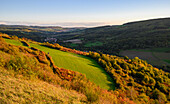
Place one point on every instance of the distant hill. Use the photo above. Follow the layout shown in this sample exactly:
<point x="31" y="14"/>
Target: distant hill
<point x="37" y="33"/>
<point x="133" y="35"/>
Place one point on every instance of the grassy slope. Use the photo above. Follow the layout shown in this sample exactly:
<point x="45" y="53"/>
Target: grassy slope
<point x="17" y="90"/>
<point x="78" y="63"/>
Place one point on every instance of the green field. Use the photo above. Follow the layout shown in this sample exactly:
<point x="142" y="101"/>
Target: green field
<point x="90" y="44"/>
<point x="82" y="64"/>
<point x="15" y="42"/>
<point x="73" y="45"/>
<point x="168" y="61"/>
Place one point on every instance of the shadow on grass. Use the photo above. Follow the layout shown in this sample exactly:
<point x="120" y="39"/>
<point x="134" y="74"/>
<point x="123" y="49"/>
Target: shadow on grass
<point x="111" y="81"/>
<point x="94" y="63"/>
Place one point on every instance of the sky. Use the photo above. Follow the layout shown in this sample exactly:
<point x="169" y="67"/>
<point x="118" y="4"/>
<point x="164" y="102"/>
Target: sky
<point x="80" y="13"/>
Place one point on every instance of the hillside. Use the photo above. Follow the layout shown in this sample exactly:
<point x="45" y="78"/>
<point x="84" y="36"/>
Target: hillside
<point x="17" y="90"/>
<point x="149" y="34"/>
<point x="134" y="35"/>
<point x="29" y="75"/>
<point x="75" y="62"/>
<point x="135" y="79"/>
<point x="24" y="79"/>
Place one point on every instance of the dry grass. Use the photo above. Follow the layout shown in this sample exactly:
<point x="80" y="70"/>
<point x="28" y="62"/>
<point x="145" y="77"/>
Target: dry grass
<point x="17" y="90"/>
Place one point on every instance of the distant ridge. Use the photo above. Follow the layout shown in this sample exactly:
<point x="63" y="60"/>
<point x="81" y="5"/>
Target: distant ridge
<point x="149" y="20"/>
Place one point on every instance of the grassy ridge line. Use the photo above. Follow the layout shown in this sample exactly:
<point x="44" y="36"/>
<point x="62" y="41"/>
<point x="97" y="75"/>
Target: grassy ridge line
<point x="76" y="62"/>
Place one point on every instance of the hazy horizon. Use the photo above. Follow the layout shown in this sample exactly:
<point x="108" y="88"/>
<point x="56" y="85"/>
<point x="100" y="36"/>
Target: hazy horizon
<point x="70" y="26"/>
<point x="79" y="13"/>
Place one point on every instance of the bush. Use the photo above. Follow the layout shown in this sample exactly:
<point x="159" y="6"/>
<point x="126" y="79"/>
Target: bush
<point x="2" y="62"/>
<point x="17" y="63"/>
<point x="159" y="95"/>
<point x="25" y="43"/>
<point x="144" y="97"/>
<point x="91" y="95"/>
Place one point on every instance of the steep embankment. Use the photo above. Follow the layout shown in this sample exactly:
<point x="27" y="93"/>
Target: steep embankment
<point x="82" y="64"/>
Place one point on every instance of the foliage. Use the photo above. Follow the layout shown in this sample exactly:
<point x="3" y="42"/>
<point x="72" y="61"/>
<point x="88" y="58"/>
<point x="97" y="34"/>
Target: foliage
<point x="135" y="73"/>
<point x="25" y="43"/>
<point x="57" y="46"/>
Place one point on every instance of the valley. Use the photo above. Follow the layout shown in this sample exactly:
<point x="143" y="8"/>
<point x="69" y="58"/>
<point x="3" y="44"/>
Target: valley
<point x="85" y="52"/>
<point x="136" y="35"/>
<point x="111" y="66"/>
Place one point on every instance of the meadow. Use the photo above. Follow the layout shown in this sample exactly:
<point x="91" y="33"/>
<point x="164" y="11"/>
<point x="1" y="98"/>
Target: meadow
<point x="82" y="64"/>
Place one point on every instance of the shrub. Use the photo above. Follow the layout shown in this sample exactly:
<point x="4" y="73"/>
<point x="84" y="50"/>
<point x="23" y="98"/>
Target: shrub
<point x="25" y="43"/>
<point x="33" y="48"/>
<point x="139" y="75"/>
<point x="2" y="62"/>
<point x="91" y="95"/>
<point x="159" y="95"/>
<point x="144" y="97"/>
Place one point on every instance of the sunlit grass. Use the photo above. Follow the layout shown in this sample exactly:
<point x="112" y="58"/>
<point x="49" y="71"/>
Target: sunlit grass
<point x="75" y="62"/>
